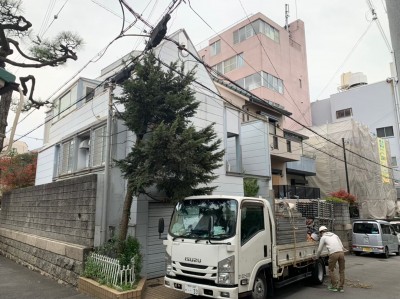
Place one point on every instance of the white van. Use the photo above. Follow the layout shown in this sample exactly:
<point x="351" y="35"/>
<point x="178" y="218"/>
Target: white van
<point x="396" y="225"/>
<point x="374" y="236"/>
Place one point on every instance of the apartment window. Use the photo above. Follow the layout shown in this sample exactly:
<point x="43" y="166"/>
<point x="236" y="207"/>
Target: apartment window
<point x="230" y="64"/>
<point x="98" y="146"/>
<point x="344" y="113"/>
<point x="385" y="132"/>
<point x="66" y="157"/>
<point x="256" y="27"/>
<point x="289" y="146"/>
<point x="394" y="161"/>
<point x="275" y="142"/>
<point x="261" y="79"/>
<point x="215" y="48"/>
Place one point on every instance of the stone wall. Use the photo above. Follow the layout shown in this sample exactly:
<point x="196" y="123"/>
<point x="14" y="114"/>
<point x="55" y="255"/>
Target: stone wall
<point x="50" y="227"/>
<point x="59" y="260"/>
<point x="63" y="211"/>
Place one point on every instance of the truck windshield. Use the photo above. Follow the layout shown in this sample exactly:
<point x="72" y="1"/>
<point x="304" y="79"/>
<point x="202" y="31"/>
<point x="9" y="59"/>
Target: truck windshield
<point x="191" y="219"/>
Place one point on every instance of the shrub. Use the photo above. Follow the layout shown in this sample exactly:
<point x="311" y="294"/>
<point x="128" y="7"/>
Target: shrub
<point x="344" y="195"/>
<point x="125" y="252"/>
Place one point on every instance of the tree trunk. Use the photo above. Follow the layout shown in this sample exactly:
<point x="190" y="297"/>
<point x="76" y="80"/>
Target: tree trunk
<point x="5" y="103"/>
<point x="126" y="211"/>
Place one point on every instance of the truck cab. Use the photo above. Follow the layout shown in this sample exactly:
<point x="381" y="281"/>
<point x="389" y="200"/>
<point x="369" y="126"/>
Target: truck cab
<point x="225" y="247"/>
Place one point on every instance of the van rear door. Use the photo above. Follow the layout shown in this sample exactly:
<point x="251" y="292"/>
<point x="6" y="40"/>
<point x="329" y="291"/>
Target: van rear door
<point x="366" y="234"/>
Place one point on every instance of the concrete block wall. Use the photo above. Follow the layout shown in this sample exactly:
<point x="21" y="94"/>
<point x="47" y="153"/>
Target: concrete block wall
<point x="63" y="210"/>
<point x="342" y="223"/>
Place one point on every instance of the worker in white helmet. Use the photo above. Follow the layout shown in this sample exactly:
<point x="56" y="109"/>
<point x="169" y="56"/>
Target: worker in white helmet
<point x="336" y="255"/>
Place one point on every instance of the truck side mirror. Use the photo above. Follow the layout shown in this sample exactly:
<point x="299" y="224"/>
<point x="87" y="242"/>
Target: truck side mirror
<point x="160" y="226"/>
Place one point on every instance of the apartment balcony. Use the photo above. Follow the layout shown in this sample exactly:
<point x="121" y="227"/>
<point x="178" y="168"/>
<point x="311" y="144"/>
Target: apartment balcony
<point x="291" y="191"/>
<point x="305" y="166"/>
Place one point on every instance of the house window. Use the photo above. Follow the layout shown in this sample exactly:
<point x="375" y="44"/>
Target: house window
<point x="89" y="94"/>
<point x="394" y="161"/>
<point x="230" y="64"/>
<point x="66" y="103"/>
<point x="256" y="27"/>
<point x="385" y="132"/>
<point x="289" y="146"/>
<point x="66" y="157"/>
<point x="215" y="48"/>
<point x="344" y="113"/>
<point x="98" y="146"/>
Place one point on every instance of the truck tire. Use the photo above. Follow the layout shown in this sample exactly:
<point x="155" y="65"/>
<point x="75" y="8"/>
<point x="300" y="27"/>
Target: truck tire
<point x="318" y="272"/>
<point x="259" y="288"/>
<point x="398" y="251"/>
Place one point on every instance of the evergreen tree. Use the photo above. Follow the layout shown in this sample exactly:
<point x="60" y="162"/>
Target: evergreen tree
<point x="169" y="153"/>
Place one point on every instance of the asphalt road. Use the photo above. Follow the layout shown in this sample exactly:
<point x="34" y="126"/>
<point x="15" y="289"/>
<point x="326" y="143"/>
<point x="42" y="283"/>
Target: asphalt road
<point x="367" y="277"/>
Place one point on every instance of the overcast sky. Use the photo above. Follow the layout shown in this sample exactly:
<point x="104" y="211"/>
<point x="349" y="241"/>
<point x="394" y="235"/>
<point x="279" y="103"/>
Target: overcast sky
<point x="339" y="38"/>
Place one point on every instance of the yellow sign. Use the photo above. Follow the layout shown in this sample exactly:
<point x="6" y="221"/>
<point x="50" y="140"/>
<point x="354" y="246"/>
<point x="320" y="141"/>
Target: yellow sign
<point x="383" y="161"/>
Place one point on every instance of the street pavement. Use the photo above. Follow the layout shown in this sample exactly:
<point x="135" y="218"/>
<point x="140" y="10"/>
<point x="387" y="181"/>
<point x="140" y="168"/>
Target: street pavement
<point x="18" y="282"/>
<point x="367" y="277"/>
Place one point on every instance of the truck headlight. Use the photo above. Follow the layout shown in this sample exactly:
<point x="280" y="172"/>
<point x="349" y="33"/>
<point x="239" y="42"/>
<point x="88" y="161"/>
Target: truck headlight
<point x="226" y="269"/>
<point x="168" y="265"/>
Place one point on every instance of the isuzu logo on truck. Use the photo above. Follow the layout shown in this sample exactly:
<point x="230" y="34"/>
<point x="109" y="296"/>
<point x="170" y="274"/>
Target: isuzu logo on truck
<point x="192" y="259"/>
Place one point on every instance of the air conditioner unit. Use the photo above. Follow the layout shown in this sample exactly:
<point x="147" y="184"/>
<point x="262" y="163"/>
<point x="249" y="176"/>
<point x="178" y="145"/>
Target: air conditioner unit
<point x="84" y="143"/>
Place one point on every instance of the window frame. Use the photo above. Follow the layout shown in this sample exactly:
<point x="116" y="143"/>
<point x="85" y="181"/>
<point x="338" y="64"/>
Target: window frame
<point x="342" y="113"/>
<point x="215" y="48"/>
<point x="244" y="238"/>
<point x="385" y="132"/>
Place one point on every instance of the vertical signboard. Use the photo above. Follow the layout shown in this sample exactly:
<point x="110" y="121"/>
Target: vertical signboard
<point x="383" y="161"/>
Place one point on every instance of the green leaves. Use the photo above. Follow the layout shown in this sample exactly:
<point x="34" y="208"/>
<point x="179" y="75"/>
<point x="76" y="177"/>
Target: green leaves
<point x="169" y="153"/>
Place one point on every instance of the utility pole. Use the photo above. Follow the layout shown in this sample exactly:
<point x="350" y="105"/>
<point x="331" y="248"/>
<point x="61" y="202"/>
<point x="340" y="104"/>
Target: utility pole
<point x="345" y="166"/>
<point x="16" y="118"/>
<point x="107" y="167"/>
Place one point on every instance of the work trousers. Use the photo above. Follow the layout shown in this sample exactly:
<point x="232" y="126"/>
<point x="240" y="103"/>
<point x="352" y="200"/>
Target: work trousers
<point x="337" y="257"/>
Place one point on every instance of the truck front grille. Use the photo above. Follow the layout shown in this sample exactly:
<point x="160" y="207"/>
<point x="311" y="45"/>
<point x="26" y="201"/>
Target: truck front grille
<point x="195" y="271"/>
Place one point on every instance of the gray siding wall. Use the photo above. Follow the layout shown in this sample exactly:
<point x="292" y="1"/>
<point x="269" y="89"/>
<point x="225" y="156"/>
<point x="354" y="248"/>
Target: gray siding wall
<point x="255" y="148"/>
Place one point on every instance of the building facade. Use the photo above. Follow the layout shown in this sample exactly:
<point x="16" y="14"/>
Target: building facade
<point x="76" y="138"/>
<point x="268" y="60"/>
<point x="373" y="105"/>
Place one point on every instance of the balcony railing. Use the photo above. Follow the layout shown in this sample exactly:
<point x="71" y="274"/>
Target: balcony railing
<point x="291" y="191"/>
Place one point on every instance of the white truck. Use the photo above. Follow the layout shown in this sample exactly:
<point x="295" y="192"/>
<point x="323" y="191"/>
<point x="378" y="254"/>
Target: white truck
<point x="233" y="247"/>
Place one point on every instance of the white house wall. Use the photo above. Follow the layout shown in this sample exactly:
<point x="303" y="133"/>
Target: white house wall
<point x="80" y="118"/>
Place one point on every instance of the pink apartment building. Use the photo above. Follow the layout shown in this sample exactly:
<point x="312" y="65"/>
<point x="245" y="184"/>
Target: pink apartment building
<point x="267" y="60"/>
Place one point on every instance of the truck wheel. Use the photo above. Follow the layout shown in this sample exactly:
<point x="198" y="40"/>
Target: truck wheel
<point x="398" y="251"/>
<point x="318" y="272"/>
<point x="259" y="288"/>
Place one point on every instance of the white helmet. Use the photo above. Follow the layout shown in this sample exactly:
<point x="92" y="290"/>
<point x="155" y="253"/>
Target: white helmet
<point x="323" y="228"/>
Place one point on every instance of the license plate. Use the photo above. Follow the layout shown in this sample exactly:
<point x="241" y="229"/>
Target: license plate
<point x="367" y="249"/>
<point x="191" y="289"/>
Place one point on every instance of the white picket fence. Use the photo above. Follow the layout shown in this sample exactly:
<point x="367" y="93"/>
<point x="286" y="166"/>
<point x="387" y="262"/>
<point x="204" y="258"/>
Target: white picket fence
<point x="113" y="272"/>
